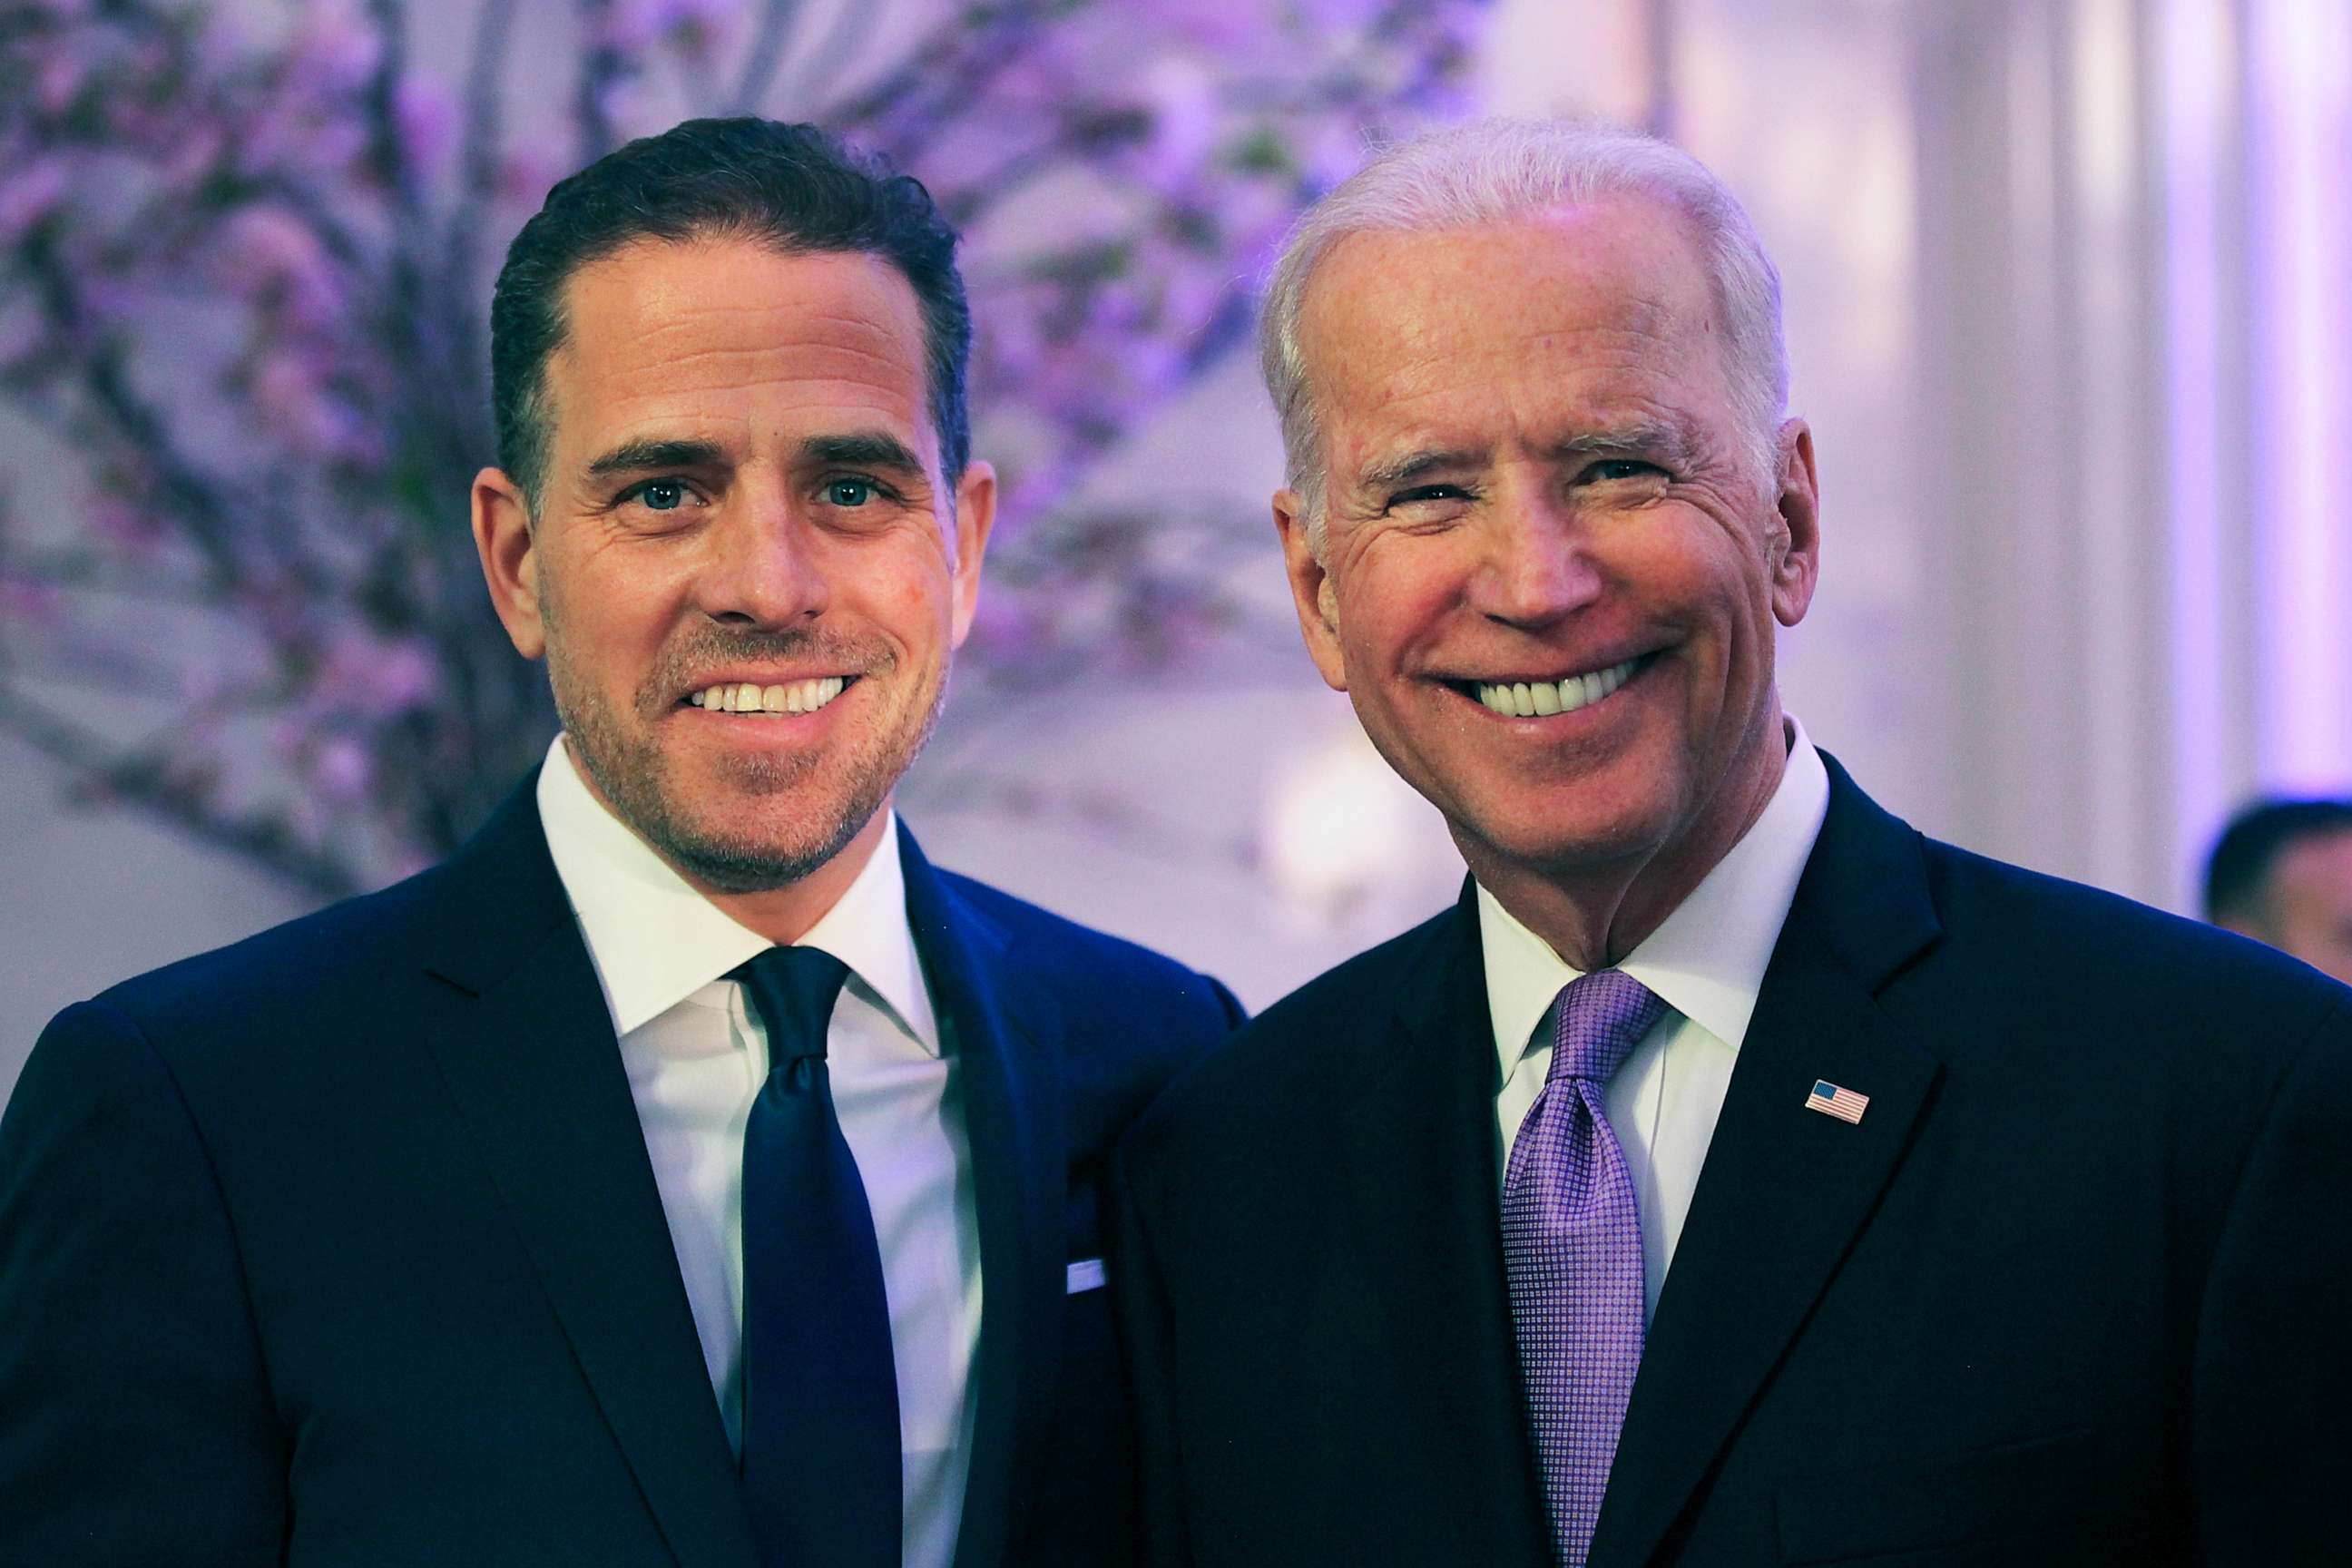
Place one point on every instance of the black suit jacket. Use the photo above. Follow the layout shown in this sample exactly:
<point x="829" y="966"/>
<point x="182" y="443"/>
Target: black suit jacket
<point x="2077" y="1288"/>
<point x="342" y="1246"/>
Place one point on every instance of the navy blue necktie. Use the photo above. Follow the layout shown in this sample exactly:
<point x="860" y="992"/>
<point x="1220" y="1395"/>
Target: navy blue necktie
<point x="820" y="1429"/>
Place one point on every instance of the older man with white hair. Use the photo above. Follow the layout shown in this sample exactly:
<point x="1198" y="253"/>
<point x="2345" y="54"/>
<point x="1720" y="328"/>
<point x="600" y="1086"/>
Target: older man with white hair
<point x="1734" y="1176"/>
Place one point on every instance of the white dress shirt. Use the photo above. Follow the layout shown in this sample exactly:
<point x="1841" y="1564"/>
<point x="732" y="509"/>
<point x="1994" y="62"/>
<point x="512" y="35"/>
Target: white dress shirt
<point x="1706" y="961"/>
<point x="696" y="1054"/>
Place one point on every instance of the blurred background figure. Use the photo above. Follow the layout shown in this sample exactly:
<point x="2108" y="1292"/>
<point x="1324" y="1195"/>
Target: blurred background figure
<point x="2282" y="873"/>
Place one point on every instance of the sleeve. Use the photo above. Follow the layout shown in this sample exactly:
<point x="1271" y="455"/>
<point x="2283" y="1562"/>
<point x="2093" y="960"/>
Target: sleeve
<point x="2270" y="1394"/>
<point x="1146" y="1346"/>
<point x="138" y="1423"/>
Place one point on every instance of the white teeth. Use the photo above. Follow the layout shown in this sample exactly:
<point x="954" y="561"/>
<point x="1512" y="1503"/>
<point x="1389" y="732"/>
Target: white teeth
<point x="1543" y="698"/>
<point x="746" y="697"/>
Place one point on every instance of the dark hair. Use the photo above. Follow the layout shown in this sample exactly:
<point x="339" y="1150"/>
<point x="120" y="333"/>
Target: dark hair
<point x="790" y="186"/>
<point x="2238" y="872"/>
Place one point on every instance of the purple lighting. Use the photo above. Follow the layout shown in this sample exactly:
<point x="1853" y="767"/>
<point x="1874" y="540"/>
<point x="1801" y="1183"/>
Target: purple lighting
<point x="2199" y="68"/>
<point x="2301" y="55"/>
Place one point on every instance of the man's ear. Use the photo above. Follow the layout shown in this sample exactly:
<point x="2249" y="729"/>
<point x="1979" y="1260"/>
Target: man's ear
<point x="975" y="516"/>
<point x="1795" y="558"/>
<point x="503" y="537"/>
<point x="1311" y="588"/>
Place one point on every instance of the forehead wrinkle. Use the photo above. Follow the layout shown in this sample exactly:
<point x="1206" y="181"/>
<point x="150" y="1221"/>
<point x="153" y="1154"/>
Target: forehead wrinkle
<point x="819" y="360"/>
<point x="802" y="321"/>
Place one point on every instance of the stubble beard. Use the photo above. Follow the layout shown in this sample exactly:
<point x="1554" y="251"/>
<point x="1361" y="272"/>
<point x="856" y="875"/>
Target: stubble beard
<point x="635" y="779"/>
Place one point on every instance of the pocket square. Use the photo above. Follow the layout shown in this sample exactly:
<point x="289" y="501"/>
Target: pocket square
<point x="1085" y="1274"/>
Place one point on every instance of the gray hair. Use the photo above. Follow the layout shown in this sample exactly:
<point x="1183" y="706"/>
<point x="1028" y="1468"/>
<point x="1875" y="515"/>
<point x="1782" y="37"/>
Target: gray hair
<point x="1494" y="171"/>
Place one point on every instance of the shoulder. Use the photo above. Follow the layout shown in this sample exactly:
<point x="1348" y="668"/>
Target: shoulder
<point x="1369" y="986"/>
<point x="1279" y="1066"/>
<point x="323" y="947"/>
<point x="1080" y="964"/>
<point x="2129" y="1025"/>
<point x="1117" y="1020"/>
<point x="278" y="993"/>
<point x="2123" y="959"/>
<point x="1975" y="951"/>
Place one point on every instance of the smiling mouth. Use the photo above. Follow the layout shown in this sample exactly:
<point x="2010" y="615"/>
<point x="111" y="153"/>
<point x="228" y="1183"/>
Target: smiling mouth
<point x="748" y="697"/>
<point x="1543" y="698"/>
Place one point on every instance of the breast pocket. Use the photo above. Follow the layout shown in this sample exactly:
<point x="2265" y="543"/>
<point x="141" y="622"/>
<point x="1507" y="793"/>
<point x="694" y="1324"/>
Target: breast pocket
<point x="2053" y="1499"/>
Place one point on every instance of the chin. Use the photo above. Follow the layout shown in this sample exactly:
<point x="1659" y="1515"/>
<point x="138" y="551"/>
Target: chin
<point x="740" y="863"/>
<point x="1571" y="836"/>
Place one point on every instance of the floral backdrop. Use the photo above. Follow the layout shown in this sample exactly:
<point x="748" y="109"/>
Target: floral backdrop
<point x="245" y="261"/>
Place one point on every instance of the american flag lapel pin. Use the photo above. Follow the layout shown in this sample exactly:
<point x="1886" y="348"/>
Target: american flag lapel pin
<point x="1830" y="1099"/>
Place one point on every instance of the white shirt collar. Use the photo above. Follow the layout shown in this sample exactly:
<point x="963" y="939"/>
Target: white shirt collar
<point x="655" y="940"/>
<point x="1706" y="959"/>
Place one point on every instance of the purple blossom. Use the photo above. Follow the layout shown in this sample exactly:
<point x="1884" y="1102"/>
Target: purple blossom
<point x="376" y="676"/>
<point x="1180" y="95"/>
<point x="30" y="600"/>
<point x="1091" y="152"/>
<point x="406" y="676"/>
<point x="1221" y="29"/>
<point x="275" y="258"/>
<point x="427" y="120"/>
<point x="336" y="49"/>
<point x="343" y="769"/>
<point x="31" y="193"/>
<point x="526" y="172"/>
<point x="58" y="80"/>
<point x="630" y="26"/>
<point x="132" y="529"/>
<point x="292" y="390"/>
<point x="700" y="27"/>
<point x="195" y="153"/>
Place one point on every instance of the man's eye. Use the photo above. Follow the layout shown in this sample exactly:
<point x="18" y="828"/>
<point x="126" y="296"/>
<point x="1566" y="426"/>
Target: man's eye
<point x="1621" y="469"/>
<point x="1429" y="493"/>
<point x="662" y="495"/>
<point x="848" y="492"/>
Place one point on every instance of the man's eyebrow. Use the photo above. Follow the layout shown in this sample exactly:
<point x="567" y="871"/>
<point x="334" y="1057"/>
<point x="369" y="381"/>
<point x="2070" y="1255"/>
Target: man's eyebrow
<point x="863" y="450"/>
<point x="1649" y="439"/>
<point x="1414" y="466"/>
<point x="636" y="456"/>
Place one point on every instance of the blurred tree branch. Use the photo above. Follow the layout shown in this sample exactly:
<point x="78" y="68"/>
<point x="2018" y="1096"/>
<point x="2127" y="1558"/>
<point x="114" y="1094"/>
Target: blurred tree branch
<point x="243" y="282"/>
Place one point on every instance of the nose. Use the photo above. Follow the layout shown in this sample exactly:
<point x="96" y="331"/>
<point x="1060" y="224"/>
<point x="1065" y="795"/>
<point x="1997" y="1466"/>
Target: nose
<point x="765" y="568"/>
<point x="1536" y="565"/>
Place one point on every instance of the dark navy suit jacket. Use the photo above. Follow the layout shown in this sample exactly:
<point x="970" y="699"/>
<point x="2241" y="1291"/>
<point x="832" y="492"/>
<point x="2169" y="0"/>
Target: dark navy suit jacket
<point x="2076" y="1289"/>
<point x="341" y="1245"/>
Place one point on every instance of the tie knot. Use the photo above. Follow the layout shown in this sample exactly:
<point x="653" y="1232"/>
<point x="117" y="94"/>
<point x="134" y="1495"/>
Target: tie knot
<point x="793" y="988"/>
<point x="1601" y="1017"/>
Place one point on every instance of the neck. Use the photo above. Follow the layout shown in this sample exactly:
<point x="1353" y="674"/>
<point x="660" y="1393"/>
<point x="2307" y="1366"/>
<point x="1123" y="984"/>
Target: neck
<point x="1593" y="914"/>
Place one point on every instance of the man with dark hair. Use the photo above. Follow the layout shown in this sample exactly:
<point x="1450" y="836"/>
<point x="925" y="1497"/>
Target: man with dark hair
<point x="2282" y="873"/>
<point x="684" y="1171"/>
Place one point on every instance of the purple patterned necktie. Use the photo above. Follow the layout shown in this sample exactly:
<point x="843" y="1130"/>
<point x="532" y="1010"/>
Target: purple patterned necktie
<point x="1572" y="1248"/>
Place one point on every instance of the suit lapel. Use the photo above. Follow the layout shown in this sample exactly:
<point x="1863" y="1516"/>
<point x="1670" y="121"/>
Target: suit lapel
<point x="1012" y="1118"/>
<point x="1418" y="1148"/>
<point x="1785" y="1189"/>
<point x="528" y="1056"/>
